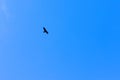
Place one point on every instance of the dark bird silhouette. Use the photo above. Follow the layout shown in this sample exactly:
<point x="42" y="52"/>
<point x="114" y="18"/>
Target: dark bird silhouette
<point x="45" y="31"/>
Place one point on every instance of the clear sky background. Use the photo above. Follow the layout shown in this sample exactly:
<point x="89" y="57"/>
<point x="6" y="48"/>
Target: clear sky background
<point x="83" y="41"/>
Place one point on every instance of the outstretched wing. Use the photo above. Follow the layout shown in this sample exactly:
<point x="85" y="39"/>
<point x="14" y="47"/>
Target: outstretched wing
<point x="45" y="31"/>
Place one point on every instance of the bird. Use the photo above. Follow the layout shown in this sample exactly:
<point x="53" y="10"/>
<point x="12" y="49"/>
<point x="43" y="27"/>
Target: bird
<point x="45" y="31"/>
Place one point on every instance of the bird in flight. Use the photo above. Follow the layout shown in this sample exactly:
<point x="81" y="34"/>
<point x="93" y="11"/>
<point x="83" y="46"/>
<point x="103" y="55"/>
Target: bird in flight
<point x="45" y="31"/>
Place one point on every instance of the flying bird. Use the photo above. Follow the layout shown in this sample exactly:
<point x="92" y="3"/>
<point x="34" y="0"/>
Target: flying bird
<point x="45" y="31"/>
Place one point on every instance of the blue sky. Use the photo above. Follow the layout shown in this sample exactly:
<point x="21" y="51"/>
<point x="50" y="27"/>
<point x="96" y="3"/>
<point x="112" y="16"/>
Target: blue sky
<point x="83" y="41"/>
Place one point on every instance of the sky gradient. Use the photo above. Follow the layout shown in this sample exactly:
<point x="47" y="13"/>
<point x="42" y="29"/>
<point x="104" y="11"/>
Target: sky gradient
<point x="83" y="41"/>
